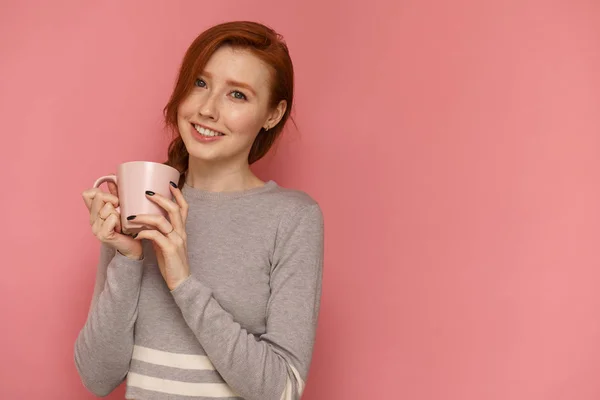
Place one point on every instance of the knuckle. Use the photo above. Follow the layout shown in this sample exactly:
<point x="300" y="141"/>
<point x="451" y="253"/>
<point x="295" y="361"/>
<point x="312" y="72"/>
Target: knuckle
<point x="89" y="192"/>
<point x="97" y="201"/>
<point x="105" y="196"/>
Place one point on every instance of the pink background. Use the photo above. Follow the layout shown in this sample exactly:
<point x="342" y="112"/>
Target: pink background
<point x="454" y="148"/>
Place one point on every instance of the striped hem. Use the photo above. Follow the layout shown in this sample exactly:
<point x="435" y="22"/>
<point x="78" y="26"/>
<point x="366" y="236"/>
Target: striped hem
<point x="171" y="375"/>
<point x="215" y="390"/>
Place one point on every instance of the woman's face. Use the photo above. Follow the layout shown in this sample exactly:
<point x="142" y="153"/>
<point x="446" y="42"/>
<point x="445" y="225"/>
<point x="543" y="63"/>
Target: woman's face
<point x="229" y="104"/>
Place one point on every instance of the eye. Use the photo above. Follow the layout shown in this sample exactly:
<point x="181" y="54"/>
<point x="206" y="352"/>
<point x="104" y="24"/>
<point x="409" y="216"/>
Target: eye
<point x="238" y="95"/>
<point x="200" y="83"/>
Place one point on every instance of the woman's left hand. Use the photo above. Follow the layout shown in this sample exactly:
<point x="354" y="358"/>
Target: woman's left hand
<point x="169" y="237"/>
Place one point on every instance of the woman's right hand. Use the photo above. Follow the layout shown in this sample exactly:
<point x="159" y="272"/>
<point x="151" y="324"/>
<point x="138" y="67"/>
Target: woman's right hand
<point x="106" y="221"/>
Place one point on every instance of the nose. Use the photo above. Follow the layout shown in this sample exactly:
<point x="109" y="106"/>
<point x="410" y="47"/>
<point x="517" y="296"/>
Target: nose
<point x="209" y="107"/>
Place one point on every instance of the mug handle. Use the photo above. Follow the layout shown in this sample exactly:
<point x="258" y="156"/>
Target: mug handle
<point x="107" y="178"/>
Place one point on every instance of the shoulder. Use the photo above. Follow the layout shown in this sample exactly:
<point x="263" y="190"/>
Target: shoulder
<point x="293" y="202"/>
<point x="299" y="231"/>
<point x="295" y="209"/>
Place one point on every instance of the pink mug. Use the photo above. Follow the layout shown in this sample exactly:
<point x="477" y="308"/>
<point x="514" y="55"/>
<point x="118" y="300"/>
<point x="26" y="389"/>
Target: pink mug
<point x="133" y="179"/>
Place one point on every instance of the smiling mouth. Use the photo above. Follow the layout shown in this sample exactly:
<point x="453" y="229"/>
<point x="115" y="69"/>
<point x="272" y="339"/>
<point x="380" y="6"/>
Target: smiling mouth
<point x="206" y="132"/>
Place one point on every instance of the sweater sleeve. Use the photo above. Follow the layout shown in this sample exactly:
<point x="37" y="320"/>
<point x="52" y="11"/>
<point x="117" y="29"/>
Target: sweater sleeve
<point x="104" y="345"/>
<point x="275" y="365"/>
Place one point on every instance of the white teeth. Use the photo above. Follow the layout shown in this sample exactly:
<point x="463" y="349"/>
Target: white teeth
<point x="206" y="131"/>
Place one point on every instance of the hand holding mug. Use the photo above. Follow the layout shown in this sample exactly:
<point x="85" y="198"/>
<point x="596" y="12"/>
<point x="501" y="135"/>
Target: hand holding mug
<point x="106" y="221"/>
<point x="108" y="214"/>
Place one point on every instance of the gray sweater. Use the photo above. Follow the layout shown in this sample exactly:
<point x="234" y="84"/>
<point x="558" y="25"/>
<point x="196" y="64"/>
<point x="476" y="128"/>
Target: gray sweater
<point x="241" y="326"/>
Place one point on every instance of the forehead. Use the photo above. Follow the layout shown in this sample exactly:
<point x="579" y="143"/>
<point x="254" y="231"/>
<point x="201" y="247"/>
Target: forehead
<point x="237" y="64"/>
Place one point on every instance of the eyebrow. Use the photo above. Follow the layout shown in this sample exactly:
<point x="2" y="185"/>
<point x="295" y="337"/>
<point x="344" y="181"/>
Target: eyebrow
<point x="233" y="83"/>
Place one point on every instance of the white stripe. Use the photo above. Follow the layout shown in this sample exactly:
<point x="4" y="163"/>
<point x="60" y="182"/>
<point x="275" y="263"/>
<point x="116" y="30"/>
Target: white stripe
<point x="179" y="388"/>
<point x="288" y="390"/>
<point x="299" y="380"/>
<point x="174" y="360"/>
<point x="289" y="387"/>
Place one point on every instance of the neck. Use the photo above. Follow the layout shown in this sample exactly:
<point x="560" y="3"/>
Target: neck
<point x="212" y="177"/>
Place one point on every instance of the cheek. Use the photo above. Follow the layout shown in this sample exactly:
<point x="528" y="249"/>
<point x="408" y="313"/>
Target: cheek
<point x="246" y="121"/>
<point x="185" y="109"/>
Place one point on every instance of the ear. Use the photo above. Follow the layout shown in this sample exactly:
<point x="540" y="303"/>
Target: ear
<point x="275" y="115"/>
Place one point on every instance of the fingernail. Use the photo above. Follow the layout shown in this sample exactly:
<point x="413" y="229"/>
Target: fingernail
<point x="130" y="217"/>
<point x="173" y="184"/>
<point x="149" y="193"/>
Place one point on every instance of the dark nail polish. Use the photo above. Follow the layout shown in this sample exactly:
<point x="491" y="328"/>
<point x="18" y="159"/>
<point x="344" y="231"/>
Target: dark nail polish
<point x="149" y="193"/>
<point x="130" y="217"/>
<point x="173" y="184"/>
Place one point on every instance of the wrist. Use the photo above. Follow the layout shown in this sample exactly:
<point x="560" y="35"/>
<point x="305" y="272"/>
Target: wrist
<point x="132" y="256"/>
<point x="175" y="285"/>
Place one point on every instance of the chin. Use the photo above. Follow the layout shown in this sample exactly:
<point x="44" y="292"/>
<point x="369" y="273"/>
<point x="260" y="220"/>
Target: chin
<point x="215" y="155"/>
<point x="196" y="151"/>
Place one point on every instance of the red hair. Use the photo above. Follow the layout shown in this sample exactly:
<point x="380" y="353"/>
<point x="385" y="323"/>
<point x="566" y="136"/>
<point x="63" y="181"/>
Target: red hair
<point x="263" y="42"/>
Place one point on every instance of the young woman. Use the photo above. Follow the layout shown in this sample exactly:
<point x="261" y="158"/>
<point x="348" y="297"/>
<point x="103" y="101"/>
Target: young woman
<point x="221" y="299"/>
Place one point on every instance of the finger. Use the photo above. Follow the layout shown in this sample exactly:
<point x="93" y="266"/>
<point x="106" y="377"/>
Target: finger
<point x="183" y="205"/>
<point x="103" y="213"/>
<point x="88" y="196"/>
<point x="108" y="226"/>
<point x="157" y="221"/>
<point x="106" y="210"/>
<point x="173" y="210"/>
<point x="98" y="202"/>
<point x="112" y="188"/>
<point x="109" y="209"/>
<point x="102" y="197"/>
<point x="158" y="238"/>
<point x="97" y="226"/>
